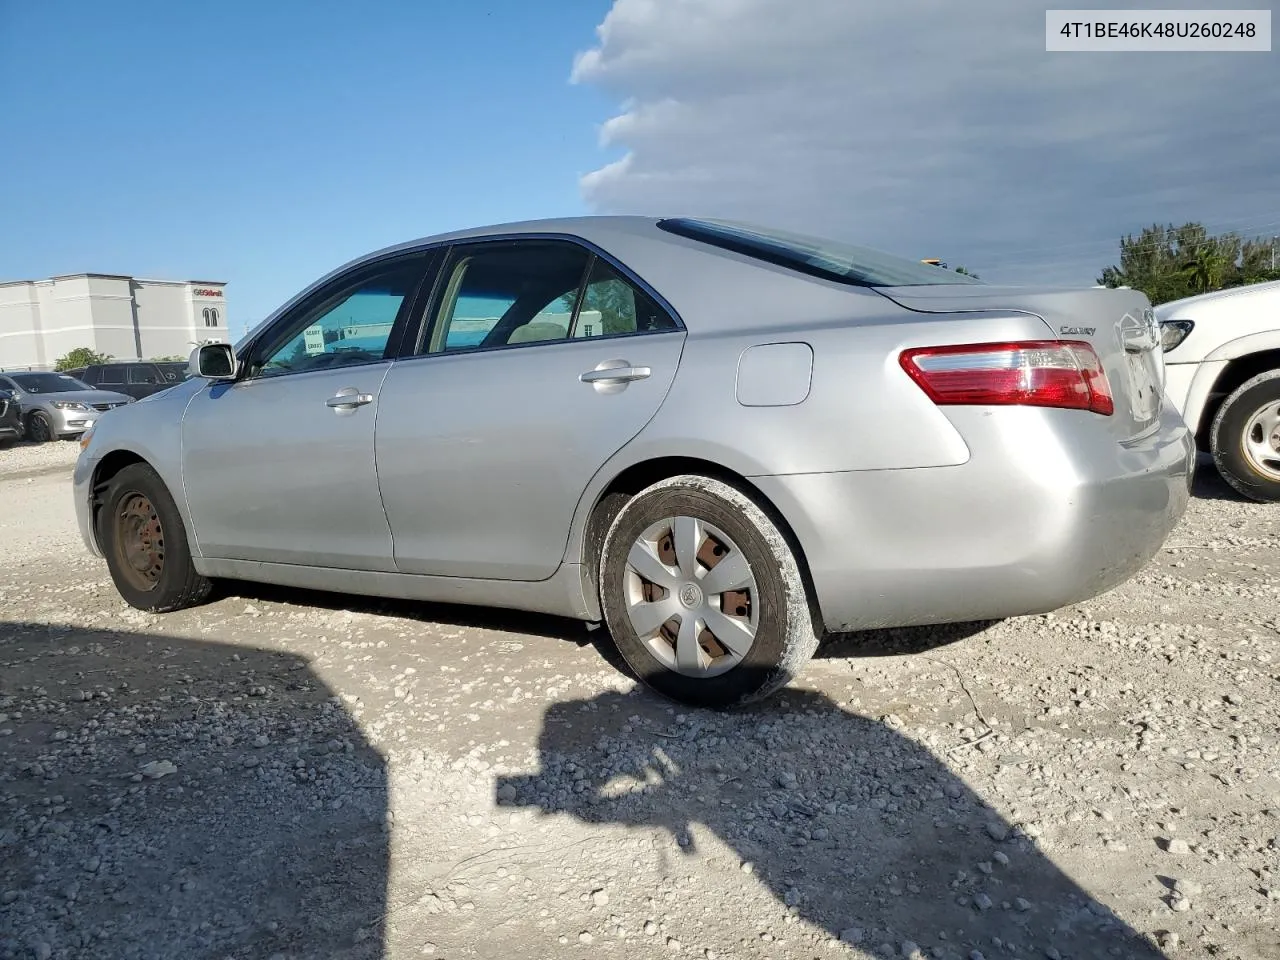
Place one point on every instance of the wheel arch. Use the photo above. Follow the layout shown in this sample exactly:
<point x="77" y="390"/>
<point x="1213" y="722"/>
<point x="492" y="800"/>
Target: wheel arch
<point x="29" y="417"/>
<point x="103" y="473"/>
<point x="636" y="477"/>
<point x="1238" y="371"/>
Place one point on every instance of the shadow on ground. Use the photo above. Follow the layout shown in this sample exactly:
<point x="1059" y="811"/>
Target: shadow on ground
<point x="163" y="797"/>
<point x="859" y="829"/>
<point x="869" y="643"/>
<point x="1209" y="485"/>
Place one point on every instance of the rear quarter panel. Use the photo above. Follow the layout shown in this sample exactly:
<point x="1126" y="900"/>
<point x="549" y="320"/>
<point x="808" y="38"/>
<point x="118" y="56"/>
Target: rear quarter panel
<point x="862" y="411"/>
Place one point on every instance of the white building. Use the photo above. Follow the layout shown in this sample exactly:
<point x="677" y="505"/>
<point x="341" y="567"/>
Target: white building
<point x="123" y="317"/>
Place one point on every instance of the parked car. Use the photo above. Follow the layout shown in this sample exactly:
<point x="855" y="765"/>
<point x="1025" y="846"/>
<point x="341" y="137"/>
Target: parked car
<point x="56" y="405"/>
<point x="10" y="419"/>
<point x="1222" y="352"/>
<point x="135" y="378"/>
<point x="764" y="438"/>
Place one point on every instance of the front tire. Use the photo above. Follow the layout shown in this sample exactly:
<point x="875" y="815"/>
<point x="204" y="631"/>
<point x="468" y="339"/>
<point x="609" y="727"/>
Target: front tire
<point x="145" y="544"/>
<point x="703" y="595"/>
<point x="1245" y="438"/>
<point x="39" y="428"/>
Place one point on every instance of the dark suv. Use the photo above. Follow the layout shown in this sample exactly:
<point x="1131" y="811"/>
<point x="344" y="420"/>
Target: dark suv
<point x="10" y="419"/>
<point x="135" y="378"/>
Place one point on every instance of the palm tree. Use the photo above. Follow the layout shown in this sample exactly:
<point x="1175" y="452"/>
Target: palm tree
<point x="1205" y="270"/>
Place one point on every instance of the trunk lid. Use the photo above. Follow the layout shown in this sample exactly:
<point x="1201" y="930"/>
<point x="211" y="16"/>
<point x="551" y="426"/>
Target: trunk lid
<point x="1118" y="324"/>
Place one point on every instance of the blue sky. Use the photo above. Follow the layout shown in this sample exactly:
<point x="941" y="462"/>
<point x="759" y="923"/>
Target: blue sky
<point x="265" y="143"/>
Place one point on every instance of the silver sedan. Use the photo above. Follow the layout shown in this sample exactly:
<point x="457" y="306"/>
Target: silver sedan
<point x="55" y="405"/>
<point x="723" y="441"/>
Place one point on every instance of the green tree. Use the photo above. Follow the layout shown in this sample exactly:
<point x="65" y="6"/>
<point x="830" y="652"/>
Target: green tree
<point x="80" y="357"/>
<point x="616" y="303"/>
<point x="1169" y="263"/>
<point x="1206" y="269"/>
<point x="170" y="359"/>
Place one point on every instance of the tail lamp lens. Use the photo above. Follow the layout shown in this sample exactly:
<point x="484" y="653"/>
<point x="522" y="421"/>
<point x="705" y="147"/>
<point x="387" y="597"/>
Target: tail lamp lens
<point x="1035" y="373"/>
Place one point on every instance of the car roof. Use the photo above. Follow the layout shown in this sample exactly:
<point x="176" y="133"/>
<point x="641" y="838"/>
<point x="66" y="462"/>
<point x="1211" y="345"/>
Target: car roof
<point x="707" y="286"/>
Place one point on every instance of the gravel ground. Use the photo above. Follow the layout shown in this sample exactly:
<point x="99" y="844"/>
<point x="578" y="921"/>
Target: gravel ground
<point x="281" y="774"/>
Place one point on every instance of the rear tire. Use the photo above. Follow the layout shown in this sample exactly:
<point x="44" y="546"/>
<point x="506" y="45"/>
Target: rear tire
<point x="679" y="531"/>
<point x="39" y="428"/>
<point x="145" y="544"/>
<point x="1245" y="438"/>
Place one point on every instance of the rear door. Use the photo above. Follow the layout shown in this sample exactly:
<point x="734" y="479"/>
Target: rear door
<point x="541" y="361"/>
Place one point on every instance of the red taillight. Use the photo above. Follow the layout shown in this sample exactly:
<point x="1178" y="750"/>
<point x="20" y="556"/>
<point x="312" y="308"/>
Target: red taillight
<point x="1037" y="373"/>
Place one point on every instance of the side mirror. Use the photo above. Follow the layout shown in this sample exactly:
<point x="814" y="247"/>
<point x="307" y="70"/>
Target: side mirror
<point x="213" y="361"/>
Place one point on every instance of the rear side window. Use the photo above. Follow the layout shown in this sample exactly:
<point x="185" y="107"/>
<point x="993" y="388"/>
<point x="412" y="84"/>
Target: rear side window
<point x="612" y="305"/>
<point x="816" y="256"/>
<point x="111" y="374"/>
<point x="507" y="293"/>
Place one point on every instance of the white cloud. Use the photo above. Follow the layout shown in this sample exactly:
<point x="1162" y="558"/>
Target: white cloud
<point x="928" y="127"/>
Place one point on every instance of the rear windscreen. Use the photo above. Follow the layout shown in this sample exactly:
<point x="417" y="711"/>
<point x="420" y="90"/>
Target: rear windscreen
<point x="816" y="256"/>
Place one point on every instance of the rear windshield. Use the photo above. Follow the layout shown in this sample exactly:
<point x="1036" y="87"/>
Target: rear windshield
<point x="816" y="256"/>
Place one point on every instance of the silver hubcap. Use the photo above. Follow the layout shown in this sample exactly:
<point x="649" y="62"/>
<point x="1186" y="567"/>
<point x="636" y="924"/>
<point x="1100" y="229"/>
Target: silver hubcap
<point x="1261" y="441"/>
<point x="691" y="596"/>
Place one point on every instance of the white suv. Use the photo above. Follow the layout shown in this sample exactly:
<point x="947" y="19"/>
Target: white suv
<point x="1222" y="372"/>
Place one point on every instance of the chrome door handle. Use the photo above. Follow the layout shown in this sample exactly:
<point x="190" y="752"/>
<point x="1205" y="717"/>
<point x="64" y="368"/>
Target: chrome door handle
<point x="617" y="371"/>
<point x="349" y="401"/>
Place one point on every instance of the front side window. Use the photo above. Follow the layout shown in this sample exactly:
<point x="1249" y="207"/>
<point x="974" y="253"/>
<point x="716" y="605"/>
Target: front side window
<point x="349" y="325"/>
<point x="508" y="293"/>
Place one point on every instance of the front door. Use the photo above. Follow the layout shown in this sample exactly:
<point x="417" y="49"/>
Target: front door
<point x="542" y="361"/>
<point x="278" y="465"/>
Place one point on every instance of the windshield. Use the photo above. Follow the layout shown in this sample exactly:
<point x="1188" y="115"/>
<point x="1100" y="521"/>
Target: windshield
<point x="817" y="256"/>
<point x="48" y="382"/>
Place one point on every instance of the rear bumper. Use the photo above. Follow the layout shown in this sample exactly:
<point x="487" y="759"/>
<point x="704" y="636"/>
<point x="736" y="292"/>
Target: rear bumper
<point x="1047" y="511"/>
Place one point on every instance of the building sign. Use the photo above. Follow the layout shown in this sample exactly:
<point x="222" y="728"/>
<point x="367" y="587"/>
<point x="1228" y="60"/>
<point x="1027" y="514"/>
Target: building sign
<point x="205" y="292"/>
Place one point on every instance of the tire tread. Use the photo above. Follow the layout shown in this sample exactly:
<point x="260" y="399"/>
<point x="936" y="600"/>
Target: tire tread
<point x="1228" y="460"/>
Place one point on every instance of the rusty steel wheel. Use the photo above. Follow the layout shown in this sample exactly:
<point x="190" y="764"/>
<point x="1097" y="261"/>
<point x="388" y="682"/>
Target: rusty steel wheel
<point x="142" y="537"/>
<point x="139" y="541"/>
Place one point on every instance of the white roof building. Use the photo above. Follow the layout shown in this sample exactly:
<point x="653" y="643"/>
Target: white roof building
<point x="124" y="317"/>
